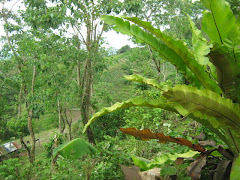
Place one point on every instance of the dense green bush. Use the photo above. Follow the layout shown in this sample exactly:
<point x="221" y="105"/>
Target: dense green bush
<point x="9" y="169"/>
<point x="18" y="126"/>
<point x="109" y="125"/>
<point x="108" y="159"/>
<point x="54" y="141"/>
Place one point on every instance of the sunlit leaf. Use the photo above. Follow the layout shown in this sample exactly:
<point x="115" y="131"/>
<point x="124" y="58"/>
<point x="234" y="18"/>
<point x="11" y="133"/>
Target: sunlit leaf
<point x="154" y="103"/>
<point x="193" y="100"/>
<point x="145" y="164"/>
<point x="74" y="149"/>
<point x="235" y="172"/>
<point x="220" y="23"/>
<point x="200" y="46"/>
<point x="209" y="107"/>
<point x="183" y="52"/>
<point x="143" y="80"/>
<point x="165" y="52"/>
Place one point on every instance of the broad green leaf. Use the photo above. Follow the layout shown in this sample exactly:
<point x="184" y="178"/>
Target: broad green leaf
<point x="167" y="171"/>
<point x="221" y="113"/>
<point x="164" y="51"/>
<point x="207" y="102"/>
<point x="154" y="103"/>
<point x="143" y="80"/>
<point x="233" y="138"/>
<point x="212" y="70"/>
<point x="142" y="163"/>
<point x="228" y="74"/>
<point x="74" y="149"/>
<point x="145" y="164"/>
<point x="182" y="51"/>
<point x="221" y="26"/>
<point x="235" y="172"/>
<point x="200" y="45"/>
<point x="220" y="23"/>
<point x="210" y="123"/>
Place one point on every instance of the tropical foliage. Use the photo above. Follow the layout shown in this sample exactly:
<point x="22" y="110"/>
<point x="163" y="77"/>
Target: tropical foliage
<point x="211" y="68"/>
<point x="56" y="71"/>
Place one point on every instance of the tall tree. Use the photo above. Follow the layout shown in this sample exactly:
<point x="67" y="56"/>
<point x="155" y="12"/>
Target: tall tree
<point x="213" y="71"/>
<point x="88" y="29"/>
<point x="16" y="41"/>
<point x="84" y="20"/>
<point x="31" y="51"/>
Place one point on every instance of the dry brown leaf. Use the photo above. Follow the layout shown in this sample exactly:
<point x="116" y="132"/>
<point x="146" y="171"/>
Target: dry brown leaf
<point x="209" y="143"/>
<point x="131" y="173"/>
<point x="146" y="134"/>
<point x="223" y="170"/>
<point x="179" y="161"/>
<point x="199" y="137"/>
<point x="225" y="152"/>
<point x="195" y="168"/>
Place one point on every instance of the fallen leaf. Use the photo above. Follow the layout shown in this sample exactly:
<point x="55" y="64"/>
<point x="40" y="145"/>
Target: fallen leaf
<point x="209" y="143"/>
<point x="199" y="137"/>
<point x="151" y="174"/>
<point x="195" y="168"/>
<point x="146" y="134"/>
<point x="131" y="172"/>
<point x="226" y="153"/>
<point x="223" y="170"/>
<point x="179" y="161"/>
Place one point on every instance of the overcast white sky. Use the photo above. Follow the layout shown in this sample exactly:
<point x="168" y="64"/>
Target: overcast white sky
<point x="116" y="40"/>
<point x="113" y="39"/>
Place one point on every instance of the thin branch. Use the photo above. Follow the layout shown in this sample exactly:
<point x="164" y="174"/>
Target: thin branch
<point x="14" y="4"/>
<point x="78" y="30"/>
<point x="34" y="78"/>
<point x="154" y="60"/>
<point x="99" y="36"/>
<point x="7" y="34"/>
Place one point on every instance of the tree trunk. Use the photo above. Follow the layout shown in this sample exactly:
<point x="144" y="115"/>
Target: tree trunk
<point x="20" y="101"/>
<point x="157" y="63"/>
<point x="63" y="123"/>
<point x="26" y="147"/>
<point x="86" y="97"/>
<point x="78" y="74"/>
<point x="24" y="86"/>
<point x="69" y="123"/>
<point x="30" y="117"/>
<point x="33" y="141"/>
<point x="163" y="72"/>
<point x="59" y="117"/>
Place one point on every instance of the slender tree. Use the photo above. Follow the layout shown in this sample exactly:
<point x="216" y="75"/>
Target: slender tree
<point x="88" y="29"/>
<point x="21" y="62"/>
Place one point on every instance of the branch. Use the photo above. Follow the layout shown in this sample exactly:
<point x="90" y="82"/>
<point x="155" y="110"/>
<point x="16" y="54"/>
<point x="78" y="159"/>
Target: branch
<point x="7" y="33"/>
<point x="78" y="30"/>
<point x="154" y="60"/>
<point x="25" y="146"/>
<point x="14" y="4"/>
<point x="34" y="78"/>
<point x="99" y="36"/>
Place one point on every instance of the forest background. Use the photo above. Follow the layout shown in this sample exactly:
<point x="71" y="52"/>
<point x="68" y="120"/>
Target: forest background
<point x="53" y="81"/>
